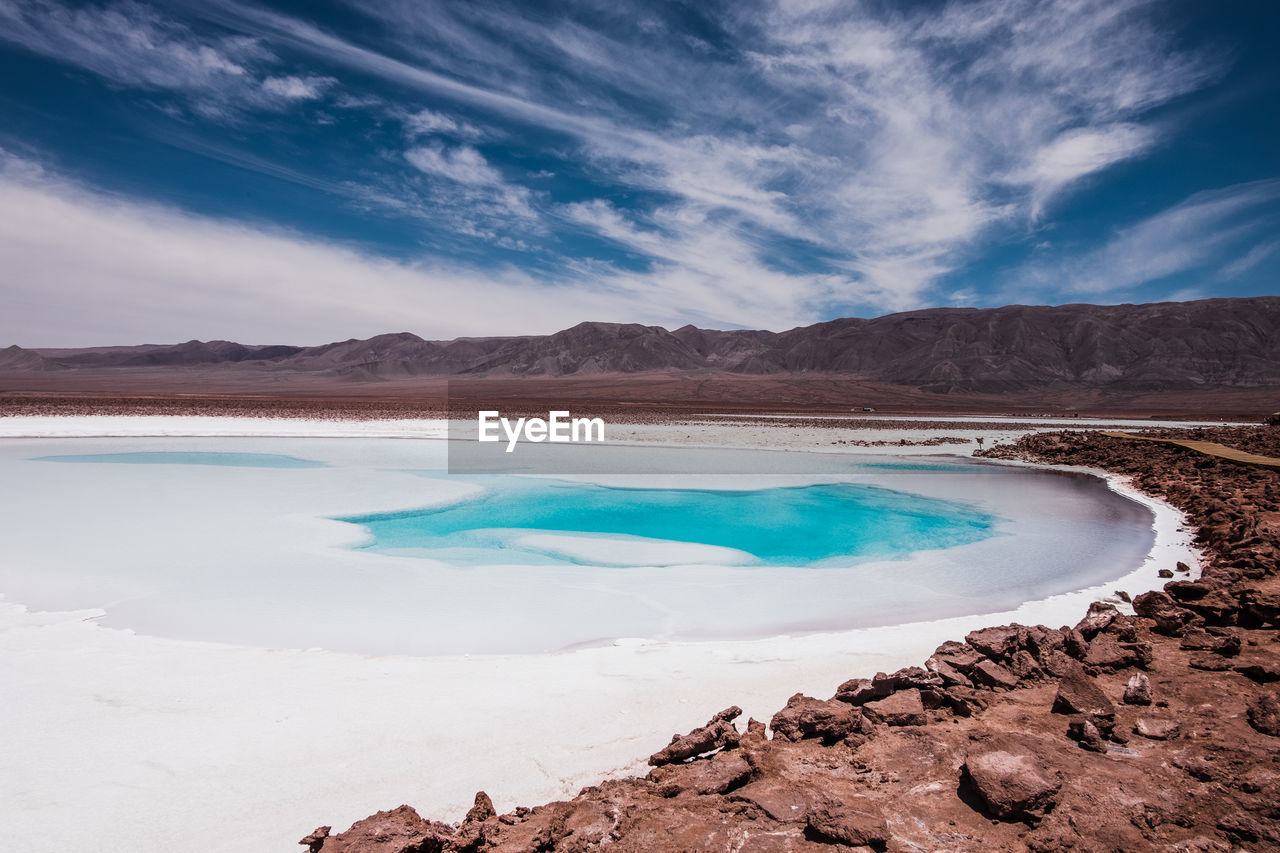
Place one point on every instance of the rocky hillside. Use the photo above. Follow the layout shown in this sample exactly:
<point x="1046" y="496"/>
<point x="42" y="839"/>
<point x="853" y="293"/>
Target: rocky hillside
<point x="1213" y="343"/>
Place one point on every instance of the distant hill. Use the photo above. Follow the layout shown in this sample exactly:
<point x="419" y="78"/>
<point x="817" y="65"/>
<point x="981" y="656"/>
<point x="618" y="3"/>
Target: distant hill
<point x="16" y="358"/>
<point x="1211" y="343"/>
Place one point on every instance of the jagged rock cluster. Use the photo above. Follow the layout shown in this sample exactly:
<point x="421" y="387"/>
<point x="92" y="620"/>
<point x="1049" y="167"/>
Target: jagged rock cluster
<point x="1153" y="731"/>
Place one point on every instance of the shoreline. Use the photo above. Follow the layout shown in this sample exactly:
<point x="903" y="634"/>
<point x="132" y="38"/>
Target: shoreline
<point x="1171" y="543"/>
<point x="607" y="742"/>
<point x="1170" y="715"/>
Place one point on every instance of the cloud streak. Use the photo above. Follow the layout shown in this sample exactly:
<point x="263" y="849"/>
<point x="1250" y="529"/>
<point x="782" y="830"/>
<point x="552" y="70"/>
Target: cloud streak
<point x="756" y="164"/>
<point x="134" y="45"/>
<point x="886" y="151"/>
<point x="78" y="261"/>
<point x="1188" y="236"/>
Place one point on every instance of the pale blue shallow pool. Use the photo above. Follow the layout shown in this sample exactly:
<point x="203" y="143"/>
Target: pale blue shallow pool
<point x="373" y="546"/>
<point x="189" y="457"/>
<point x="825" y="524"/>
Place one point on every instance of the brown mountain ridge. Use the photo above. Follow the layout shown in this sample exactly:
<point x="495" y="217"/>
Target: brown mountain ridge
<point x="1212" y="343"/>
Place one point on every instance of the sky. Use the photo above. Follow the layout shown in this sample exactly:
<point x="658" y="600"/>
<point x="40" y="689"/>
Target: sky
<point x="301" y="172"/>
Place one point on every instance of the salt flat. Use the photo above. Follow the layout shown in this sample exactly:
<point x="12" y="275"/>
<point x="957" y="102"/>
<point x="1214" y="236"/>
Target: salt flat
<point x="131" y="742"/>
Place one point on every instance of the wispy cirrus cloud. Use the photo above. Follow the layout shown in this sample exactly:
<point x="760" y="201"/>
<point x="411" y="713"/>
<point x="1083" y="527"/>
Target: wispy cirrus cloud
<point x="79" y="262"/>
<point x="133" y="44"/>
<point x="428" y="122"/>
<point x="462" y="164"/>
<point x="1248" y="261"/>
<point x="894" y="141"/>
<point x="294" y="87"/>
<point x="759" y="163"/>
<point x="1191" y="235"/>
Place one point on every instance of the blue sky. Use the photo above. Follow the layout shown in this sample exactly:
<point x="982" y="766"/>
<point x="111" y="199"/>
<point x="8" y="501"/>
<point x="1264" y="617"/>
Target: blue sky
<point x="310" y="171"/>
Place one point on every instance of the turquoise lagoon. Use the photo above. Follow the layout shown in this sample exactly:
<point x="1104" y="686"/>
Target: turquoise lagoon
<point x="826" y="524"/>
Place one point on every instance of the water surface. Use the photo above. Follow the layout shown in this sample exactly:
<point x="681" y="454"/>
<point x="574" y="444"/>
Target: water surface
<point x="189" y="457"/>
<point x="823" y="524"/>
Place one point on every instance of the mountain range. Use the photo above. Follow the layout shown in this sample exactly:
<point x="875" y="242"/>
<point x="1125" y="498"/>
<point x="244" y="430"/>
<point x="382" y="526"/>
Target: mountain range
<point x="1212" y="343"/>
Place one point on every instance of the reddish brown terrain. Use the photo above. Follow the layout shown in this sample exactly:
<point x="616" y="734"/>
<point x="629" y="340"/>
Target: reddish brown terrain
<point x="1210" y="358"/>
<point x="1159" y="731"/>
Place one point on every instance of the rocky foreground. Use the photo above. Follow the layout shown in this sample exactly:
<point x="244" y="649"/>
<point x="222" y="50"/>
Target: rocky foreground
<point x="1159" y="731"/>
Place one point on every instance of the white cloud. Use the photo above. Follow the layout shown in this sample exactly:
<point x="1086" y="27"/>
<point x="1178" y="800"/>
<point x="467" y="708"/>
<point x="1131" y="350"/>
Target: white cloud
<point x="132" y="44"/>
<point x="1248" y="260"/>
<point x="463" y="164"/>
<point x="78" y="262"/>
<point x="888" y="146"/>
<point x="1077" y="153"/>
<point x="895" y="142"/>
<point x="297" y="88"/>
<point x="430" y="123"/>
<point x="1190" y="235"/>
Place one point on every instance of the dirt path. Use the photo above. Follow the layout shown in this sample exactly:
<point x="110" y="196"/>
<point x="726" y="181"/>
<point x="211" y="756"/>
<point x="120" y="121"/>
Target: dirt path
<point x="1209" y="448"/>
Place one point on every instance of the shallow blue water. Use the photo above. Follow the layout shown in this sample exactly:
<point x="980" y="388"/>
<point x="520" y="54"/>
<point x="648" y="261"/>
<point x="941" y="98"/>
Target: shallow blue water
<point x="825" y="524"/>
<point x="233" y="460"/>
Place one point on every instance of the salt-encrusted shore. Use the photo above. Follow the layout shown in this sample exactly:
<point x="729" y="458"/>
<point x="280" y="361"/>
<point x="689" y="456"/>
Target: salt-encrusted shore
<point x="153" y="742"/>
<point x="1154" y="731"/>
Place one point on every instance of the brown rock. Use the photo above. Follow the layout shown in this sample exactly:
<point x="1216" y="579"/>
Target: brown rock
<point x="959" y="655"/>
<point x="400" y="830"/>
<point x="473" y="832"/>
<point x="992" y="674"/>
<point x="1080" y="694"/>
<point x="999" y="642"/>
<point x="1220" y="643"/>
<point x="1188" y="590"/>
<point x="1010" y="778"/>
<point x="1258" y="609"/>
<point x="718" y="733"/>
<point x="1087" y="735"/>
<point x="315" y="840"/>
<point x="1156" y="729"/>
<point x="1262" y="671"/>
<point x="723" y="772"/>
<point x="1099" y="617"/>
<point x="1074" y="643"/>
<point x="858" y="691"/>
<point x="903" y="708"/>
<point x="1169" y="616"/>
<point x="1164" y="573"/>
<point x="1217" y="608"/>
<point x="908" y="677"/>
<point x="1024" y="665"/>
<point x="1247" y="829"/>
<point x="1108" y="653"/>
<point x="1264" y="714"/>
<point x="1044" y="643"/>
<point x="482" y="810"/>
<point x="950" y="676"/>
<point x="856" y="823"/>
<point x="1138" y="690"/>
<point x="555" y="830"/>
<point x="1209" y="662"/>
<point x="1060" y="663"/>
<point x="806" y="717"/>
<point x="783" y="801"/>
